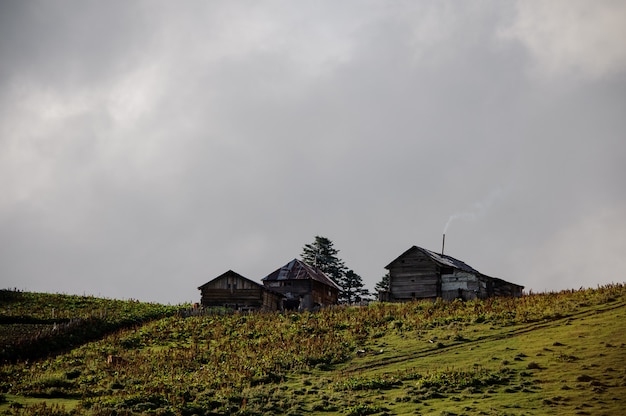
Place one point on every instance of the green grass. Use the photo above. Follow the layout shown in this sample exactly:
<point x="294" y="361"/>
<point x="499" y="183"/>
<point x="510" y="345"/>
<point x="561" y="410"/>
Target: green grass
<point x="559" y="367"/>
<point x="554" y="353"/>
<point x="33" y="325"/>
<point x="20" y="402"/>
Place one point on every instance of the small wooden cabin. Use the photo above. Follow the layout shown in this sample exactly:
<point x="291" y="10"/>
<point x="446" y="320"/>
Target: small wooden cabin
<point x="232" y="290"/>
<point x="419" y="273"/>
<point x="305" y="287"/>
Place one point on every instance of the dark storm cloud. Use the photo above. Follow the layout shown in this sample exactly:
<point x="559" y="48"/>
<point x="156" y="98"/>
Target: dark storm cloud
<point x="148" y="147"/>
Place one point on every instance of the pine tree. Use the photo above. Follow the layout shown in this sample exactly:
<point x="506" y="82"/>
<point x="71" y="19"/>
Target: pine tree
<point x="383" y="285"/>
<point x="353" y="290"/>
<point x="323" y="255"/>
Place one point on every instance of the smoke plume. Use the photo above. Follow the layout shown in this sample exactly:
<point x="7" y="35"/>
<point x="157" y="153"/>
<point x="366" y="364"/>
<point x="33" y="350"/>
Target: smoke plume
<point x="476" y="210"/>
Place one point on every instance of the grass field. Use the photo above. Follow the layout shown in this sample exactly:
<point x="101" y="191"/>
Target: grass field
<point x="553" y="353"/>
<point x="34" y="325"/>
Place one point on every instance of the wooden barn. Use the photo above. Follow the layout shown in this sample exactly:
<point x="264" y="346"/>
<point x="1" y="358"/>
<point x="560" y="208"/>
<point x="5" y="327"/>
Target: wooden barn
<point x="232" y="290"/>
<point x="304" y="287"/>
<point x="419" y="273"/>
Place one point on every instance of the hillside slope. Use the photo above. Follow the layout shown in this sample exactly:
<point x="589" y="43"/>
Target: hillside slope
<point x="557" y="353"/>
<point x="35" y="325"/>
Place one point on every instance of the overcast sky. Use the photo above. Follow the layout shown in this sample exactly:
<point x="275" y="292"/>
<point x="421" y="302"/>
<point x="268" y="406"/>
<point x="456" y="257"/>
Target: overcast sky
<point x="147" y="147"/>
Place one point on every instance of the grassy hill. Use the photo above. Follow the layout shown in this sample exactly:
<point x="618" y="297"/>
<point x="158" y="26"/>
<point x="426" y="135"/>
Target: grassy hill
<point x="554" y="353"/>
<point x="34" y="325"/>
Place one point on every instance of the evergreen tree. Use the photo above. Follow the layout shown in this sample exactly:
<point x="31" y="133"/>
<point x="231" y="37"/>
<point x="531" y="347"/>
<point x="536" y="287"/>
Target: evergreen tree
<point x="323" y="255"/>
<point x="383" y="285"/>
<point x="353" y="290"/>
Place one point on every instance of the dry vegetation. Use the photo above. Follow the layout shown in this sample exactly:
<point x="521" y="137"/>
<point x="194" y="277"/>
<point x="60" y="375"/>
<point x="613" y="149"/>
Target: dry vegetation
<point x="554" y="353"/>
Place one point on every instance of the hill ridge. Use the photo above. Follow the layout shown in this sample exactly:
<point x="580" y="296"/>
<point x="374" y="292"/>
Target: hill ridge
<point x="552" y="353"/>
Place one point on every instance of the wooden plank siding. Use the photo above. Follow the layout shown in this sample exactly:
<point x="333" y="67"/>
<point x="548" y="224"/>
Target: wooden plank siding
<point x="245" y="297"/>
<point x="503" y="288"/>
<point x="414" y="276"/>
<point x="304" y="293"/>
<point x="422" y="274"/>
<point x="231" y="290"/>
<point x="322" y="294"/>
<point x="304" y="287"/>
<point x="462" y="285"/>
<point x="293" y="290"/>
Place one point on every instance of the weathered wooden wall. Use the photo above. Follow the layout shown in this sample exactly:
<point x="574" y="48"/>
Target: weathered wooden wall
<point x="304" y="293"/>
<point x="414" y="276"/>
<point x="223" y="297"/>
<point x="271" y="301"/>
<point x="293" y="290"/>
<point x="232" y="297"/>
<point x="422" y="274"/>
<point x="503" y="288"/>
<point x="323" y="295"/>
<point x="230" y="281"/>
<point x="460" y="285"/>
<point x="234" y="291"/>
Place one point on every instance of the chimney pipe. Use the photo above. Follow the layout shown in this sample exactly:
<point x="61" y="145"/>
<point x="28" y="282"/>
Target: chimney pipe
<point x="443" y="244"/>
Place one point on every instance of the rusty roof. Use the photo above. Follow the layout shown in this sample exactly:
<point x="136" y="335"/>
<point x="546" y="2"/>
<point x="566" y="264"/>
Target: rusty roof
<point x="297" y="269"/>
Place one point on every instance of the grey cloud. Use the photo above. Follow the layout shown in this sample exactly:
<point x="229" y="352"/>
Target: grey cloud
<point x="149" y="150"/>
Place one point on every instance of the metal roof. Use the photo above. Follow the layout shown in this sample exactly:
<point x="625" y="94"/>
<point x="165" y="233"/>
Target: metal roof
<point x="440" y="259"/>
<point x="449" y="261"/>
<point x="297" y="269"/>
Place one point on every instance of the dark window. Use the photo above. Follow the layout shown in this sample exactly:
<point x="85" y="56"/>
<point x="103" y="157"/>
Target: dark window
<point x="447" y="270"/>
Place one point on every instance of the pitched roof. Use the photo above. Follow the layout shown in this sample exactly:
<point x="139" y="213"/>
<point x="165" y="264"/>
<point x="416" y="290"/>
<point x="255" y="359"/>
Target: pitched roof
<point x="449" y="261"/>
<point x="297" y="269"/>
<point x="441" y="259"/>
<point x="233" y="274"/>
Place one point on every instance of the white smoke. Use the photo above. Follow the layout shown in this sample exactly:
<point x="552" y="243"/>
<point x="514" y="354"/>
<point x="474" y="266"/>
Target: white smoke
<point x="476" y="210"/>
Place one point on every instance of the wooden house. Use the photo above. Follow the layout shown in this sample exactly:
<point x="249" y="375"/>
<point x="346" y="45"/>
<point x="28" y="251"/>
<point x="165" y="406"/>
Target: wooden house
<point x="305" y="287"/>
<point x="419" y="273"/>
<point x="232" y="290"/>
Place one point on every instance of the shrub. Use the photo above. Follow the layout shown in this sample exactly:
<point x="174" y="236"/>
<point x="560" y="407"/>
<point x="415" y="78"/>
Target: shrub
<point x="363" y="409"/>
